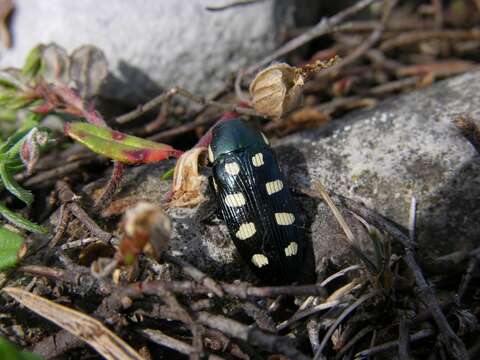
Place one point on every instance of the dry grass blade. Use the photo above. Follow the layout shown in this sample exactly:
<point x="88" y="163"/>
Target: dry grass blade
<point x="343" y="315"/>
<point x="343" y="224"/>
<point x="90" y="330"/>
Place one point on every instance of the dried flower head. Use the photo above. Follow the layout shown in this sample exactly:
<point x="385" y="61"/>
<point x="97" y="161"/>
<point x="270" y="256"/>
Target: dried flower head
<point x="147" y="229"/>
<point x="188" y="184"/>
<point x="30" y="151"/>
<point x="278" y="89"/>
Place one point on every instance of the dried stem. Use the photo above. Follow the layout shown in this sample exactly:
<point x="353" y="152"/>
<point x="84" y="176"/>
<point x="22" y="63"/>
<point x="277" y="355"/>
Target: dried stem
<point x="273" y="343"/>
<point x="422" y="334"/>
<point x="111" y="187"/>
<point x="69" y="199"/>
<point x="157" y="101"/>
<point x="325" y="26"/>
<point x="362" y="49"/>
<point x="403" y="340"/>
<point x="338" y="321"/>
<point x="195" y="274"/>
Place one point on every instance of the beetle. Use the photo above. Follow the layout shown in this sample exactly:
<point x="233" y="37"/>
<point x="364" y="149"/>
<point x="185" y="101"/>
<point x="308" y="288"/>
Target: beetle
<point x="263" y="220"/>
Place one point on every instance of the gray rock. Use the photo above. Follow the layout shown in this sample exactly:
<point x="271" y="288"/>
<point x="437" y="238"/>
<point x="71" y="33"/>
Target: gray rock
<point x="405" y="147"/>
<point x="152" y="44"/>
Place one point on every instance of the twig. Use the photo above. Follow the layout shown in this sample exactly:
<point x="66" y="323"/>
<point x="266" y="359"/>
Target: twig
<point x="438" y="12"/>
<point x="412" y="37"/>
<point x="162" y="339"/>
<point x="79" y="278"/>
<point x="396" y="85"/>
<point x="51" y="176"/>
<point x="346" y="229"/>
<point x="403" y="340"/>
<point x="82" y="242"/>
<point x="360" y="50"/>
<point x="467" y="277"/>
<point x="231" y="5"/>
<point x="61" y="226"/>
<point x="313" y="329"/>
<point x="422" y="334"/>
<point x="261" y="317"/>
<point x="307" y="312"/>
<point x="244" y="291"/>
<point x="155" y="102"/>
<point x="453" y="343"/>
<point x="111" y="187"/>
<point x="325" y="26"/>
<point x="195" y="274"/>
<point x="339" y="274"/>
<point x="448" y="337"/>
<point x="162" y="290"/>
<point x="353" y="341"/>
<point x="338" y="321"/>
<point x="273" y="343"/>
<point x="325" y="282"/>
<point x="69" y="199"/>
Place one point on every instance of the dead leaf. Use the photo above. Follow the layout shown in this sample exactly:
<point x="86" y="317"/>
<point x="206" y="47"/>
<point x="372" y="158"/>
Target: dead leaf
<point x="55" y="64"/>
<point x="90" y="330"/>
<point x="438" y="68"/>
<point x="88" y="68"/>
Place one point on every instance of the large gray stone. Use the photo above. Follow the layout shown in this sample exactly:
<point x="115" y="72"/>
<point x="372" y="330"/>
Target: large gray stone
<point x="152" y="44"/>
<point x="405" y="147"/>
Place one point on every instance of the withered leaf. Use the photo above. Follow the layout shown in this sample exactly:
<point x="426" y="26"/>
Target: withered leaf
<point x="88" y="68"/>
<point x="90" y="330"/>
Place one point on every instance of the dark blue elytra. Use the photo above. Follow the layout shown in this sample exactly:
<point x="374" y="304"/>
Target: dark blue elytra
<point x="262" y="219"/>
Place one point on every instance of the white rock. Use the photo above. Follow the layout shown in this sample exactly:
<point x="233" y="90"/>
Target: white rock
<point x="152" y="44"/>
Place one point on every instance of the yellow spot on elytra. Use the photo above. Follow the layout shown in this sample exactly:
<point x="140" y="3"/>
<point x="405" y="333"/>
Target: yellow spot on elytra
<point x="259" y="260"/>
<point x="274" y="186"/>
<point x="232" y="168"/>
<point x="257" y="160"/>
<point x="235" y="200"/>
<point x="246" y="230"/>
<point x="284" y="218"/>
<point x="291" y="249"/>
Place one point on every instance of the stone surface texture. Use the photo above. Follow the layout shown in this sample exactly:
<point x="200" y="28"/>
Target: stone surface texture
<point x="152" y="44"/>
<point x="405" y="147"/>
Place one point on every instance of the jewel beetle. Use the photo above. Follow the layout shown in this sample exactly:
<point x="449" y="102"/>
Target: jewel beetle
<point x="258" y="208"/>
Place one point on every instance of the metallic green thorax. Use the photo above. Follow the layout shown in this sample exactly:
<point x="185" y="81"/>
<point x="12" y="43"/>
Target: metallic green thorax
<point x="234" y="135"/>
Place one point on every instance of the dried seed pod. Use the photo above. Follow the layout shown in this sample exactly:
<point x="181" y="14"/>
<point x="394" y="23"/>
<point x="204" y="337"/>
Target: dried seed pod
<point x="148" y="229"/>
<point x="277" y="90"/>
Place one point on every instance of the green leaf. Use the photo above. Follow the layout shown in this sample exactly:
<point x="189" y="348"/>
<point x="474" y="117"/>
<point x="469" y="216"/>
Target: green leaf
<point x="14" y="142"/>
<point x="20" y="221"/>
<point x="13" y="187"/>
<point x="8" y="351"/>
<point x="119" y="146"/>
<point x="168" y="174"/>
<point x="33" y="62"/>
<point x="9" y="80"/>
<point x="10" y="245"/>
